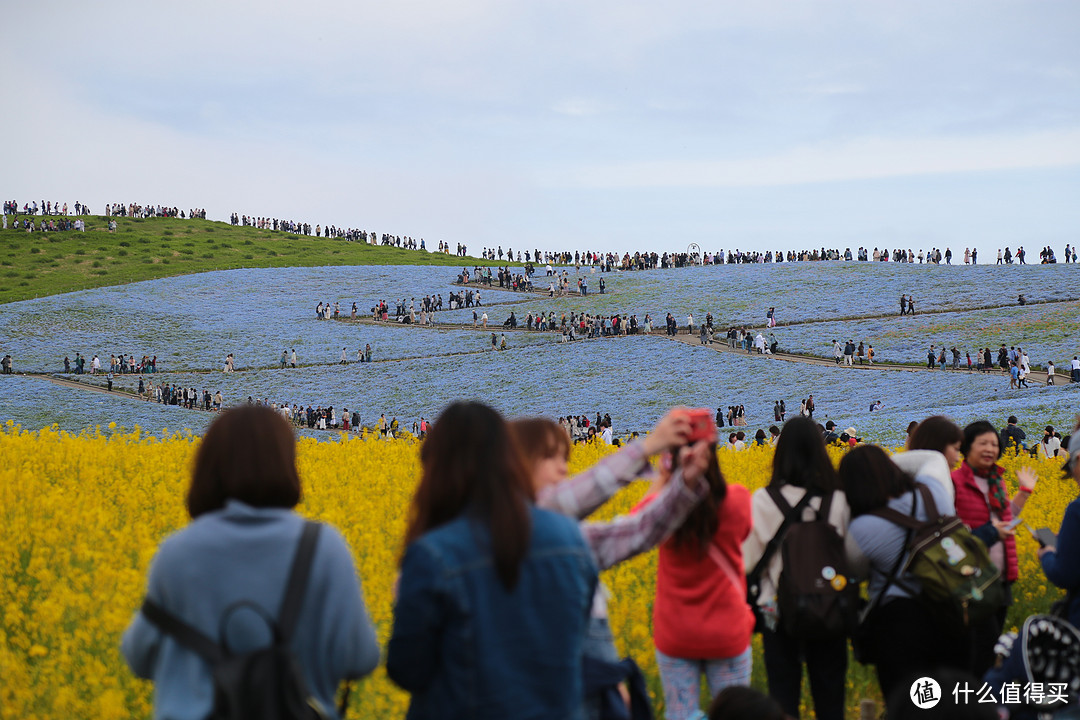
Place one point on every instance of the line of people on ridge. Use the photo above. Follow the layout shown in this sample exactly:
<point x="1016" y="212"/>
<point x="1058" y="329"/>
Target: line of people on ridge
<point x="498" y="608"/>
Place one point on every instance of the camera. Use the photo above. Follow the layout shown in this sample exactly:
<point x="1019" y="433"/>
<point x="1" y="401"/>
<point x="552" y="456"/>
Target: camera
<point x="701" y="425"/>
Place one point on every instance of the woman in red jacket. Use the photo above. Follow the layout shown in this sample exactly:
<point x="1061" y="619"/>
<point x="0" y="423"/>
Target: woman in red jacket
<point x="983" y="503"/>
<point x="701" y="621"/>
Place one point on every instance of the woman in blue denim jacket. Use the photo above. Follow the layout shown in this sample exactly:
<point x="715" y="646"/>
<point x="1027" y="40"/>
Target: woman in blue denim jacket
<point x="494" y="593"/>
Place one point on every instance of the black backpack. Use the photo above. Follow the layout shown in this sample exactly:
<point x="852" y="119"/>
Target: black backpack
<point x="266" y="683"/>
<point x="816" y="597"/>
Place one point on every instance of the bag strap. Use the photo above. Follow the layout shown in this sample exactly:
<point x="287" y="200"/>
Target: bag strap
<point x="790" y="515"/>
<point x="893" y="576"/>
<point x="298" y="578"/>
<point x="199" y="643"/>
<point x="182" y="632"/>
<point x="718" y="557"/>
<point x="932" y="513"/>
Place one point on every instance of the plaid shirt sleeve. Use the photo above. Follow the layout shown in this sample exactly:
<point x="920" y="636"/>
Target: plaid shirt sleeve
<point x="627" y="535"/>
<point x="582" y="494"/>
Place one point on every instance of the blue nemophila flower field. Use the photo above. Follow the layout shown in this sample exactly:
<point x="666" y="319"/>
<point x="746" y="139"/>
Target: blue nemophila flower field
<point x="192" y="322"/>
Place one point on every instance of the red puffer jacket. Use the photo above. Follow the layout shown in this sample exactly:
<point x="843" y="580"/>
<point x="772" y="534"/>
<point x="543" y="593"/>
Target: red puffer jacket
<point x="973" y="508"/>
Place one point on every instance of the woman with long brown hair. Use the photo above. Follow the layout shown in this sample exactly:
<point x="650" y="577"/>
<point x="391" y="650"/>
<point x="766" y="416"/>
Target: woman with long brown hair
<point x="546" y="447"/>
<point x="494" y="593"/>
<point x="701" y="621"/>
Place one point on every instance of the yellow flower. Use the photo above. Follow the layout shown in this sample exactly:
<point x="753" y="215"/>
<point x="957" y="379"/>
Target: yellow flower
<point x="82" y="515"/>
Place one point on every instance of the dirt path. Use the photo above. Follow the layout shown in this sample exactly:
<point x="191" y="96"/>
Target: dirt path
<point x="1035" y="378"/>
<point x="937" y="311"/>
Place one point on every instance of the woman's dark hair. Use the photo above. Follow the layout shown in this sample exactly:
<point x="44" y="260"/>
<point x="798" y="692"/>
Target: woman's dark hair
<point x="801" y="460"/>
<point x="974" y="430"/>
<point x="248" y="454"/>
<point x="539" y="439"/>
<point x="871" y="479"/>
<point x="471" y="463"/>
<point x="759" y="435"/>
<point x="936" y="432"/>
<point x="743" y="703"/>
<point x="700" y="525"/>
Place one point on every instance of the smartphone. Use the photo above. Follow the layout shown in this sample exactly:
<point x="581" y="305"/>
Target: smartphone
<point x="1044" y="536"/>
<point x="1014" y="523"/>
<point x="701" y="425"/>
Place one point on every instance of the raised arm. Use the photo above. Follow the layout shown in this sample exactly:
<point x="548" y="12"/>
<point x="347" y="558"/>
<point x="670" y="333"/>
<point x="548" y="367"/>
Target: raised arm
<point x="582" y="494"/>
<point x="628" y="535"/>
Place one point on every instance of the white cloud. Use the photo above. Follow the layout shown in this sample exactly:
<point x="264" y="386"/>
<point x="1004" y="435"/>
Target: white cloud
<point x="579" y="107"/>
<point x="862" y="159"/>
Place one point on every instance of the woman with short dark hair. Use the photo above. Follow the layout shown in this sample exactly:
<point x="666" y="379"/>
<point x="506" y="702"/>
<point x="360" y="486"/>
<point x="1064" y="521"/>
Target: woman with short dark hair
<point x="983" y="503"/>
<point x="494" y="593"/>
<point x="801" y="465"/>
<point x="238" y="548"/>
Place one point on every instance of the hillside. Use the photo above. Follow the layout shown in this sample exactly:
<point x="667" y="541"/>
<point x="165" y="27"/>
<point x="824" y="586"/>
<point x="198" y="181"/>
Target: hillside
<point x="47" y="263"/>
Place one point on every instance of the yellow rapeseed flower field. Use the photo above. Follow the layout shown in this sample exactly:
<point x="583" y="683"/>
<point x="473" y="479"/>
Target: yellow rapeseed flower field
<point x="82" y="516"/>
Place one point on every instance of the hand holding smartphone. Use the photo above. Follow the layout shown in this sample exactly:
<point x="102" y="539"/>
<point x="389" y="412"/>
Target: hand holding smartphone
<point x="1044" y="536"/>
<point x="702" y="426"/>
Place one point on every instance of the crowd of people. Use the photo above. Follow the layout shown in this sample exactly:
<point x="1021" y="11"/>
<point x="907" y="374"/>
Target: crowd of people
<point x="329" y="231"/>
<point x="167" y="393"/>
<point x="135" y="210"/>
<point x="604" y="261"/>
<point x="497" y="546"/>
<point x="46" y="225"/>
<point x="47" y="207"/>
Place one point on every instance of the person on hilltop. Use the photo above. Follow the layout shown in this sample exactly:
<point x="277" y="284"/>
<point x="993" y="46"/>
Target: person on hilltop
<point x="244" y="488"/>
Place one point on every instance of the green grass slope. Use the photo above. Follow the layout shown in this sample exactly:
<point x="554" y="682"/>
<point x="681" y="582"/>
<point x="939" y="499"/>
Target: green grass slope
<point x="47" y="263"/>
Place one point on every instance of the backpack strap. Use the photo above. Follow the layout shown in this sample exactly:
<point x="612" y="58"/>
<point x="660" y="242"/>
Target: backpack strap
<point x="298" y="578"/>
<point x="826" y="506"/>
<point x="182" y="632"/>
<point x="909" y="522"/>
<point x="790" y="515"/>
<point x="932" y="513"/>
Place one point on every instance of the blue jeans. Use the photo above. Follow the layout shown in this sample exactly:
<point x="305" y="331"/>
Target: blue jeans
<point x="681" y="679"/>
<point x="600" y="644"/>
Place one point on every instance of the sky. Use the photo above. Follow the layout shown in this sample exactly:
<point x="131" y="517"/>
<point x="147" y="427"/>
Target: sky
<point x="600" y="125"/>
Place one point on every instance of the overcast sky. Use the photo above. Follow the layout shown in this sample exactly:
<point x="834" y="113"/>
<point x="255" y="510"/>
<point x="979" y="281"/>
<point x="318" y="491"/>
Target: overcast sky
<point x="562" y="125"/>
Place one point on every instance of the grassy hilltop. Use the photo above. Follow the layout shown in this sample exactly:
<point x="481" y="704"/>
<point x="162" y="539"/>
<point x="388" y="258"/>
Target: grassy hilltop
<point x="47" y="263"/>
